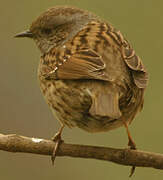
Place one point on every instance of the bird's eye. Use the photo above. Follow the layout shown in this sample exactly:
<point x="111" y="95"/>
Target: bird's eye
<point x="46" y="31"/>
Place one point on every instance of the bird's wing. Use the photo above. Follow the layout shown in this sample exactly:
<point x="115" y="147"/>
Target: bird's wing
<point x="87" y="64"/>
<point x="84" y="64"/>
<point x="140" y="75"/>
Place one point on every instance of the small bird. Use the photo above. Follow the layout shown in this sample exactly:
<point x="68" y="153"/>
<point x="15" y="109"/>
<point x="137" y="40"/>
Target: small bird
<point x="89" y="74"/>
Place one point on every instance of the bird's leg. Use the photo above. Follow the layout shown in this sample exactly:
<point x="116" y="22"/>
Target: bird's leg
<point x="131" y="144"/>
<point x="58" y="140"/>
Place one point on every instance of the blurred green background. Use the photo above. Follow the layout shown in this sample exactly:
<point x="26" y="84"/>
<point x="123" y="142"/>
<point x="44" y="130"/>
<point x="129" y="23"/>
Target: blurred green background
<point x="23" y="110"/>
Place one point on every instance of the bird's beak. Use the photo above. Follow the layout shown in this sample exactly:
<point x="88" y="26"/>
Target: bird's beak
<point x="24" y="34"/>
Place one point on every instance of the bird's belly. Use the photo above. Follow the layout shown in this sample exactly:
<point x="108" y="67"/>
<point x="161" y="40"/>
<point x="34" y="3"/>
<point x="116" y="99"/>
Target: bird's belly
<point x="70" y="105"/>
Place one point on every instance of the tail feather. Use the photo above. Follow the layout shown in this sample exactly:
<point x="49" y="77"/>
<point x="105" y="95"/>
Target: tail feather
<point x="106" y="105"/>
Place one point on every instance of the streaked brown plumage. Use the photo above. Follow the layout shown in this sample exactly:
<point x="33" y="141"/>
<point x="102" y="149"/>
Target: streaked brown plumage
<point x="89" y="74"/>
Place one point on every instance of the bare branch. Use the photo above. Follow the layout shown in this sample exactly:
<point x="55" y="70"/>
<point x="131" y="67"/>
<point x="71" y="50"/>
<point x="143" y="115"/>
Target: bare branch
<point x="16" y="143"/>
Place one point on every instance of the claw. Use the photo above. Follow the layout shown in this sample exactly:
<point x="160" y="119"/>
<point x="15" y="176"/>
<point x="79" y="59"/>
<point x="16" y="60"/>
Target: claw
<point x="58" y="140"/>
<point x="132" y="171"/>
<point x="131" y="144"/>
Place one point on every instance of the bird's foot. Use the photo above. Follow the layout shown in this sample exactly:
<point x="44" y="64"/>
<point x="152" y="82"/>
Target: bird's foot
<point x="131" y="144"/>
<point x="132" y="171"/>
<point x="58" y="140"/>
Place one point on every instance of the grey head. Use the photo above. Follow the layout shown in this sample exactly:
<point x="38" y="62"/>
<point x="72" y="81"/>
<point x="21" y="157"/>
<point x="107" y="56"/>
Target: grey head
<point x="56" y="26"/>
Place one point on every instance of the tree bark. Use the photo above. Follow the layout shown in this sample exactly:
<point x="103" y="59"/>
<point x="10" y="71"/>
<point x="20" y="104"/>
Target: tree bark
<point x="16" y="143"/>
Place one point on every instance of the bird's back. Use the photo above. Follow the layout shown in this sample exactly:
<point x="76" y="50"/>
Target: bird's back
<point x="101" y="100"/>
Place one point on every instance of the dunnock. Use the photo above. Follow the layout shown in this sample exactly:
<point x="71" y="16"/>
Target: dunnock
<point x="89" y="74"/>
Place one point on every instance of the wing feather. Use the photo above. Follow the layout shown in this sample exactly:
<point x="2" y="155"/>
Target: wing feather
<point x="84" y="64"/>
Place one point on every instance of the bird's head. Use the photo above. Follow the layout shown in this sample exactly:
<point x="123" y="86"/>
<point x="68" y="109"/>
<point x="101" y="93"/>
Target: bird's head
<point x="56" y="25"/>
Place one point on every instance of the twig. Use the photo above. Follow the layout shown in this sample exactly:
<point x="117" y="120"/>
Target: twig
<point x="16" y="143"/>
